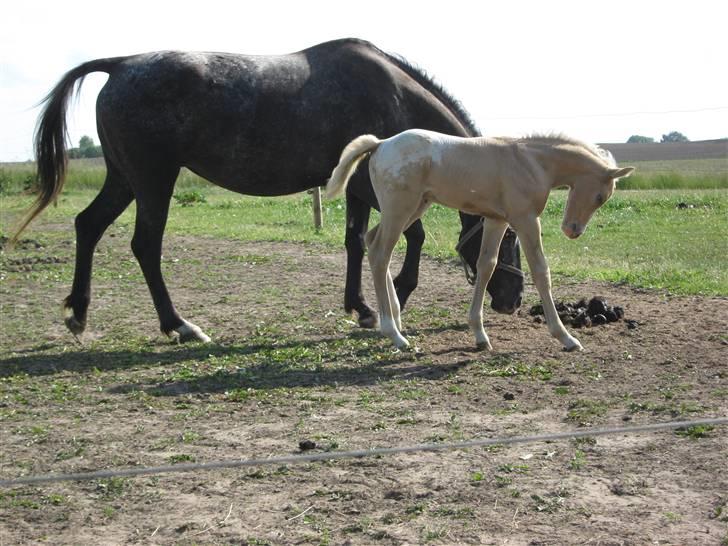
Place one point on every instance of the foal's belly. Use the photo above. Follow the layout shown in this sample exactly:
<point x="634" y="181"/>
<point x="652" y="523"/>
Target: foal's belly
<point x="469" y="201"/>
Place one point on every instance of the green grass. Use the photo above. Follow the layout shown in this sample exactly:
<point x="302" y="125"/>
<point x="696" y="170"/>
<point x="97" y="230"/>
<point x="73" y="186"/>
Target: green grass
<point x="639" y="237"/>
<point x="679" y="174"/>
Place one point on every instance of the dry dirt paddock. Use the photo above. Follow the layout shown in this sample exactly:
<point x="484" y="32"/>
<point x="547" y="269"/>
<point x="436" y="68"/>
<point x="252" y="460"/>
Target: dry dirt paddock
<point x="286" y="366"/>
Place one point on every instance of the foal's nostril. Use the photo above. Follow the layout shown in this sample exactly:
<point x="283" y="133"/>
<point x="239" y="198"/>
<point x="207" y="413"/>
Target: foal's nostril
<point x="518" y="303"/>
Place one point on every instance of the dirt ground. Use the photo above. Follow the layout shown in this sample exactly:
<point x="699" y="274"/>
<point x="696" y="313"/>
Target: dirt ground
<point x="287" y="365"/>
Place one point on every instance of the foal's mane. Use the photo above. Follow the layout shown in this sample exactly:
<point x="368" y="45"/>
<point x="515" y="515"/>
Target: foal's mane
<point x="556" y="139"/>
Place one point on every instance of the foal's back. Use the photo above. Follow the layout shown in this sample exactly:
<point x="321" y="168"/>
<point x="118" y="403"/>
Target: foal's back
<point x="470" y="174"/>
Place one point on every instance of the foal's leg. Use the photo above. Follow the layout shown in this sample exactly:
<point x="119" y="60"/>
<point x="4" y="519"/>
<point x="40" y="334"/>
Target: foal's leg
<point x="111" y="201"/>
<point x="493" y="231"/>
<point x="380" y="244"/>
<point x="153" y="197"/>
<point x="529" y="232"/>
<point x="397" y="214"/>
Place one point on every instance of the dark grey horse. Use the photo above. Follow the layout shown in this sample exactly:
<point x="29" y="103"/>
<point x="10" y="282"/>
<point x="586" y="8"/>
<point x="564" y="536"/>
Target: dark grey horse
<point x="257" y="125"/>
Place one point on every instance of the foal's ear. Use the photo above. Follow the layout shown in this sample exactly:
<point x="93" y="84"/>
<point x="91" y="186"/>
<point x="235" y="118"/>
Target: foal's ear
<point x="621" y="173"/>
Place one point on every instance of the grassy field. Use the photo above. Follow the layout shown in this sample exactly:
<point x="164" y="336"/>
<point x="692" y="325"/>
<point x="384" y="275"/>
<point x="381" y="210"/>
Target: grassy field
<point x="640" y="237"/>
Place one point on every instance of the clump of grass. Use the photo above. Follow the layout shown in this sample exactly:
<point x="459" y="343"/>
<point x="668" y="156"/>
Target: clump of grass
<point x="188" y="198"/>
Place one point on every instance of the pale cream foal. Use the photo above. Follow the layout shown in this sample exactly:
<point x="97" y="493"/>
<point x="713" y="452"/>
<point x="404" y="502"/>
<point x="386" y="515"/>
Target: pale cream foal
<point x="506" y="180"/>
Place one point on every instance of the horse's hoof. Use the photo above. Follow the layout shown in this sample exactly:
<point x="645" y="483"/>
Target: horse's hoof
<point x="75" y="326"/>
<point x="369" y="321"/>
<point x="191" y="332"/>
<point x="484" y="346"/>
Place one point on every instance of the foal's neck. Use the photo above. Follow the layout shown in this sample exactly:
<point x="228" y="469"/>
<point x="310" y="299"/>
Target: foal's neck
<point x="561" y="162"/>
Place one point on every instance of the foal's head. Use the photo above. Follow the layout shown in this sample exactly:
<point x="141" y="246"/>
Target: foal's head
<point x="590" y="188"/>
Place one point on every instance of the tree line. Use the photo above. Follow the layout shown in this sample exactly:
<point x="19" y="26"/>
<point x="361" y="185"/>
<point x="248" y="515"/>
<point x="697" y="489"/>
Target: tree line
<point x="675" y="136"/>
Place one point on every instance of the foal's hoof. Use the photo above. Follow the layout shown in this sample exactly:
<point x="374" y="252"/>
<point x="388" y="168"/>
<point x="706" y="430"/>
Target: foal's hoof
<point x="191" y="332"/>
<point x="573" y="345"/>
<point x="484" y="346"/>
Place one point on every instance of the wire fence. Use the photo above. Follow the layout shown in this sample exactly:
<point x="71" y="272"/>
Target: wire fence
<point x="358" y="454"/>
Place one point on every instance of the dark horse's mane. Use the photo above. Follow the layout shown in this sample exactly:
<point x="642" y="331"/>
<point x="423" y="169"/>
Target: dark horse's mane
<point x="418" y="74"/>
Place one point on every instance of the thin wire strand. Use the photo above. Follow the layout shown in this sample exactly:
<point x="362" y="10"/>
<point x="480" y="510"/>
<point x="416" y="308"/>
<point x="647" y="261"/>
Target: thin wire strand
<point x="378" y="452"/>
<point x="606" y="115"/>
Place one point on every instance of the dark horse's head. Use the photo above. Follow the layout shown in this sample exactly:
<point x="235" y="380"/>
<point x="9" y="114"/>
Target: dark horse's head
<point x="506" y="285"/>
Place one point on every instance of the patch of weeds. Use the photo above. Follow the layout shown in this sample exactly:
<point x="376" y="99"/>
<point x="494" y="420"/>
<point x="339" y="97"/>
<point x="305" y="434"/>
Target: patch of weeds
<point x="390" y="519"/>
<point x="109" y="512"/>
<point x="672" y="517"/>
<point x="585" y="442"/>
<point x="549" y="504"/>
<point x="507" y="367"/>
<point x="561" y="390"/>
<point x="477" y="477"/>
<point x="181" y="458"/>
<point x="584" y="411"/>
<point x="111" y="487"/>
<point x="503" y="481"/>
<point x="695" y="432"/>
<point x="454" y="389"/>
<point x="252" y="541"/>
<point x="12" y="499"/>
<point x="408" y="419"/>
<point x="720" y="512"/>
<point x="249" y="259"/>
<point x="415" y="510"/>
<point x="453" y="513"/>
<point x="361" y="526"/>
<point x="578" y="460"/>
<point x="508" y="468"/>
<point x="429" y="535"/>
<point x="189" y="437"/>
<point x="188" y="198"/>
<point x="76" y="449"/>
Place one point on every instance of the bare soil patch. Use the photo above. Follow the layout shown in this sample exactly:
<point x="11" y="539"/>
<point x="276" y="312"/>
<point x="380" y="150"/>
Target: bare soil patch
<point x="287" y="367"/>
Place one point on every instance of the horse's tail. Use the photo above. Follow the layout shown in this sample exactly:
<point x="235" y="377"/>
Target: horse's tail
<point x="354" y="152"/>
<point x="50" y="138"/>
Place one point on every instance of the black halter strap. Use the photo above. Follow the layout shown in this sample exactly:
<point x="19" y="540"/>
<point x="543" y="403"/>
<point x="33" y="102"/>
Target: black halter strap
<point x="470" y="275"/>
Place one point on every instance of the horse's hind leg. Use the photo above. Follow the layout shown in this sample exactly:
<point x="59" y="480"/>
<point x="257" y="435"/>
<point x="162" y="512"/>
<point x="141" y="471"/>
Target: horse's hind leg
<point x="357" y="219"/>
<point x="153" y="195"/>
<point x="112" y="200"/>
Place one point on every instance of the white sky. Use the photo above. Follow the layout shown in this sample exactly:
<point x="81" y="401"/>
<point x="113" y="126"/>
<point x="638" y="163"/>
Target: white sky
<point x="517" y="67"/>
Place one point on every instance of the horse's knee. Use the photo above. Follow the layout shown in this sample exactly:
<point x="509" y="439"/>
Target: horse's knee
<point x="415" y="235"/>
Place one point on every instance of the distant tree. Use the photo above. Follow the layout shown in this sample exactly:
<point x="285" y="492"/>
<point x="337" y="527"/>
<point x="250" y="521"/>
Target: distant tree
<point x="674" y="137"/>
<point x="639" y="139"/>
<point x="86" y="148"/>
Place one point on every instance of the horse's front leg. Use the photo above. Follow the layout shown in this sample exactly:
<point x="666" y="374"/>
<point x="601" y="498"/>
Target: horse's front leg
<point x="529" y="233"/>
<point x="493" y="231"/>
<point x="406" y="281"/>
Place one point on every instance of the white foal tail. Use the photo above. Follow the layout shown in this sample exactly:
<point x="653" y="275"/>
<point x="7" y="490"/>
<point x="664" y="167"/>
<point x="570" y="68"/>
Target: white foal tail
<point x="350" y="158"/>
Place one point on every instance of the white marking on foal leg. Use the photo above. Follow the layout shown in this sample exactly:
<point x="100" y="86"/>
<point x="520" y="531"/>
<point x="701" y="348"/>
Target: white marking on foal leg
<point x="493" y="231"/>
<point x="389" y="329"/>
<point x="191" y="332"/>
<point x="530" y="235"/>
